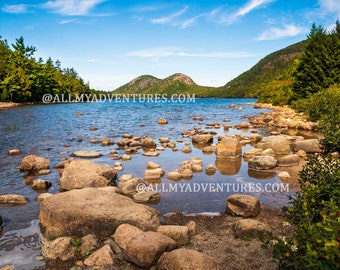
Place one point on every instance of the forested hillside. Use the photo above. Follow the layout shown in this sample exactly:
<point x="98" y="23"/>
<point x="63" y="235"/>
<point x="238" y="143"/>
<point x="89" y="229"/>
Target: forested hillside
<point x="25" y="79"/>
<point x="270" y="79"/>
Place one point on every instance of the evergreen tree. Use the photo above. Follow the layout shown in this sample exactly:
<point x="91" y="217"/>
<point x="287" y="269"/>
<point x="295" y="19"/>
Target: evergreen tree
<point x="318" y="66"/>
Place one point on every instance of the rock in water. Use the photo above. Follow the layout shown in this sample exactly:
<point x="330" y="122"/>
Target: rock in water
<point x="84" y="173"/>
<point x="97" y="211"/>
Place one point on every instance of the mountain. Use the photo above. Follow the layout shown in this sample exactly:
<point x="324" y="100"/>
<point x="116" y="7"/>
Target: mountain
<point x="175" y="84"/>
<point x="270" y="78"/>
<point x="138" y="84"/>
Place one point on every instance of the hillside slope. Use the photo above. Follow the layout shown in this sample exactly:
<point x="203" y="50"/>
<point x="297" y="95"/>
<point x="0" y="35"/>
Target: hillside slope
<point x="270" y="77"/>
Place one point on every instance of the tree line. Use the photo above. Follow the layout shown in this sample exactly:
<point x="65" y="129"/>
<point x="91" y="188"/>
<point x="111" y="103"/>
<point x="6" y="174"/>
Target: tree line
<point x="26" y="79"/>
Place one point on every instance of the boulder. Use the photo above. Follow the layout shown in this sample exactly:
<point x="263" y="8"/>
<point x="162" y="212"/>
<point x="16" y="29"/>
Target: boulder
<point x="192" y="227"/>
<point x="243" y="205"/>
<point x="164" y="140"/>
<point x="174" y="175"/>
<point x="309" y="146"/>
<point x="186" y="150"/>
<point x="162" y="121"/>
<point x="43" y="196"/>
<point x="89" y="243"/>
<point x="250" y="228"/>
<point x="253" y="152"/>
<point x="14" y="152"/>
<point x="228" y="147"/>
<point x="148" y="143"/>
<point x="84" y="173"/>
<point x="107" y="141"/>
<point x="128" y="185"/>
<point x="34" y="164"/>
<point x="255" y="137"/>
<point x="262" y="163"/>
<point x="289" y="160"/>
<point x="151" y="153"/>
<point x="41" y="185"/>
<point x="101" y="257"/>
<point x="124" y="233"/>
<point x="152" y="165"/>
<point x="186" y="259"/>
<point x="97" y="211"/>
<point x="153" y="174"/>
<point x="187" y="174"/>
<point x="284" y="175"/>
<point x="209" y="149"/>
<point x="13" y="199"/>
<point x="178" y="233"/>
<point x="62" y="248"/>
<point x="144" y="248"/>
<point x="86" y="154"/>
<point x="280" y="144"/>
<point x="210" y="169"/>
<point x="202" y="139"/>
<point x="147" y="197"/>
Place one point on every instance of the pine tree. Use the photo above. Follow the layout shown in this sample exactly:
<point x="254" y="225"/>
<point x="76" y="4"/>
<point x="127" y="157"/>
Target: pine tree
<point x="318" y="66"/>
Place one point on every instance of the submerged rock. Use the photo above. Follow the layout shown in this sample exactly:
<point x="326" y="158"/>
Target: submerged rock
<point x="13" y="199"/>
<point x="86" y="154"/>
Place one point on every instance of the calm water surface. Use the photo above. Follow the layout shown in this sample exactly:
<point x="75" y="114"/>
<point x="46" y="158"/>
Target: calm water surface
<point x="44" y="129"/>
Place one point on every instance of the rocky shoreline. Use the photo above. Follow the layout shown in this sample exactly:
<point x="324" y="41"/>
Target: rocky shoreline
<point x="97" y="223"/>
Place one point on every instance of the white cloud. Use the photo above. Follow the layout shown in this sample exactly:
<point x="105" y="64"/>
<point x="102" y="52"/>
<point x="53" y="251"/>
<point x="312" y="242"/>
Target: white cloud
<point x="67" y="21"/>
<point x="288" y="30"/>
<point x="71" y="7"/>
<point x="245" y="9"/>
<point x="163" y="52"/>
<point x="170" y="18"/>
<point x="330" y="5"/>
<point x="251" y="5"/>
<point x="16" y="9"/>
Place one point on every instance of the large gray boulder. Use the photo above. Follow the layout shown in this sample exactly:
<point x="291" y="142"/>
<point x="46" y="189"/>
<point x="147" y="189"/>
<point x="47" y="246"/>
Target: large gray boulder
<point x="84" y="173"/>
<point x="280" y="144"/>
<point x="97" y="211"/>
<point x="186" y="259"/>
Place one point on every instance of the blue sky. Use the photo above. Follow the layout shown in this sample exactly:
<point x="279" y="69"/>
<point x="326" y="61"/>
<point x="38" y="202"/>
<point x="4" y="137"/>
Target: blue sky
<point x="111" y="42"/>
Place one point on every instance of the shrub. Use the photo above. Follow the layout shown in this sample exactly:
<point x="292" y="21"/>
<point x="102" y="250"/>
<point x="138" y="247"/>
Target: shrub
<point x="324" y="107"/>
<point x="315" y="211"/>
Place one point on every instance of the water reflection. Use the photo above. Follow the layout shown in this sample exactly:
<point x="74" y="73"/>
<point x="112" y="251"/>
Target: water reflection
<point x="229" y="166"/>
<point x="24" y="245"/>
<point x="261" y="175"/>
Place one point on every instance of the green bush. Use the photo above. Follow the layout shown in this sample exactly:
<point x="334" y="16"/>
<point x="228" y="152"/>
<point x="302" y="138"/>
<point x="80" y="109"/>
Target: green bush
<point x="315" y="213"/>
<point x="324" y="107"/>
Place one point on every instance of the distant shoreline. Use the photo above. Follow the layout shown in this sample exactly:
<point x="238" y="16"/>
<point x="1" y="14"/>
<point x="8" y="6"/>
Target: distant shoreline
<point x="5" y="105"/>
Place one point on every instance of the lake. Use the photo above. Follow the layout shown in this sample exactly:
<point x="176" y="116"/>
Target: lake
<point x="45" y="129"/>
